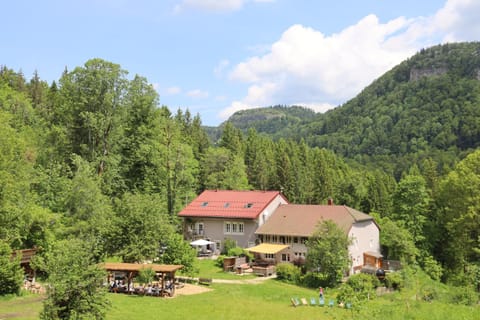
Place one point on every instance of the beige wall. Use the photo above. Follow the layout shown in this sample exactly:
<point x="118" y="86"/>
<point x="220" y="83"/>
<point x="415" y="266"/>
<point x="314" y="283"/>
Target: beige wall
<point x="214" y="228"/>
<point x="365" y="237"/>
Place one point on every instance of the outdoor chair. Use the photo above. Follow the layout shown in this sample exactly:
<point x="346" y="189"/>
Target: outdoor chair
<point x="313" y="301"/>
<point x="348" y="305"/>
<point x="295" y="302"/>
<point x="331" y="303"/>
<point x="304" y="302"/>
<point x="321" y="302"/>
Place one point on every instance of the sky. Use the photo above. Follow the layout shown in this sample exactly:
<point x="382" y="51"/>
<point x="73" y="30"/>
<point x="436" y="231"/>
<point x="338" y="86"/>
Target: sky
<point x="215" y="57"/>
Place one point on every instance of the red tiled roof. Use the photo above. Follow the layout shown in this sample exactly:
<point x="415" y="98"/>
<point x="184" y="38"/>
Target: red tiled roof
<point x="230" y="204"/>
<point x="301" y="220"/>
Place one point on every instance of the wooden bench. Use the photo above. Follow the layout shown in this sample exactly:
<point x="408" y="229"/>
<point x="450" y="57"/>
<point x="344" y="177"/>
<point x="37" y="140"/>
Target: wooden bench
<point x="205" y="281"/>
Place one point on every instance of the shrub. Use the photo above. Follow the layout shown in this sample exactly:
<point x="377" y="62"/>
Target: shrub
<point x="394" y="280"/>
<point x="429" y="293"/>
<point x="240" y="252"/>
<point x="146" y="275"/>
<point x="314" y="280"/>
<point x="219" y="261"/>
<point x="288" y="272"/>
<point x="11" y="274"/>
<point x="432" y="267"/>
<point x="463" y="295"/>
<point x="75" y="289"/>
<point x="229" y="244"/>
<point x="363" y="285"/>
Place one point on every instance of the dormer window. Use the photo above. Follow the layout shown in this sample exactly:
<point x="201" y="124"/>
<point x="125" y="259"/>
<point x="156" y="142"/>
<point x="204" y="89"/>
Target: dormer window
<point x="204" y="204"/>
<point x="248" y="205"/>
<point x="226" y="205"/>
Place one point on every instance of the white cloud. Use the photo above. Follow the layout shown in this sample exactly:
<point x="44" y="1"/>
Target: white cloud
<point x="213" y="5"/>
<point x="234" y="107"/>
<point x="327" y="70"/>
<point x="458" y="20"/>
<point x="221" y="67"/>
<point x="173" y="90"/>
<point x="198" y="94"/>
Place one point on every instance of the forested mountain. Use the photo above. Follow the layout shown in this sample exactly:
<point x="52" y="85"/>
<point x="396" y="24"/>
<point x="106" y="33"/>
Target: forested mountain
<point x="93" y="157"/>
<point x="429" y="105"/>
<point x="276" y="121"/>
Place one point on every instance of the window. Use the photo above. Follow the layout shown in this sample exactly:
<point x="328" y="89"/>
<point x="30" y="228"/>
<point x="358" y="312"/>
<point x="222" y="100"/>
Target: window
<point x="204" y="204"/>
<point x="295" y="239"/>
<point x="285" y="257"/>
<point x="269" y="256"/>
<point x="234" y="227"/>
<point x="226" y="205"/>
<point x="249" y="205"/>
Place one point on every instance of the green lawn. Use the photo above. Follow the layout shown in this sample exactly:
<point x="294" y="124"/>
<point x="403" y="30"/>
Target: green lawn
<point x="24" y="307"/>
<point x="268" y="300"/>
<point x="208" y="269"/>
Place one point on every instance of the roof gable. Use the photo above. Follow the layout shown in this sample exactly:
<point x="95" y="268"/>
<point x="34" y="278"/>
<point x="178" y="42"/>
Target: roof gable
<point x="230" y="204"/>
<point x="301" y="220"/>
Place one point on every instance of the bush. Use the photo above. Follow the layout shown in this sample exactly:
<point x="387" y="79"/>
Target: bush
<point x="314" y="280"/>
<point x="432" y="267"/>
<point x="288" y="272"/>
<point x="463" y="295"/>
<point x="229" y="244"/>
<point x="75" y="289"/>
<point x="240" y="252"/>
<point x="146" y="275"/>
<point x="219" y="261"/>
<point x="11" y="273"/>
<point x="363" y="285"/>
<point x="394" y="280"/>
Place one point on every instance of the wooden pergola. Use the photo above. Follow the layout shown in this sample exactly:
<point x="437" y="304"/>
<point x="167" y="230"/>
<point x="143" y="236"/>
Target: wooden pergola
<point x="132" y="269"/>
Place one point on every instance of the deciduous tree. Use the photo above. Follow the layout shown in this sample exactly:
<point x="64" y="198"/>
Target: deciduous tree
<point x="328" y="251"/>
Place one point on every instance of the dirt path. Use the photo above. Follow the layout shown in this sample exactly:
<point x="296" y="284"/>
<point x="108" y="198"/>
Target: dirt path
<point x="256" y="280"/>
<point x="189" y="289"/>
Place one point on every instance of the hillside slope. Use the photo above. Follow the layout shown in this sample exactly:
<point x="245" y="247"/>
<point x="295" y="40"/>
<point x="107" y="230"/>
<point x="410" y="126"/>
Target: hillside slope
<point x="427" y="105"/>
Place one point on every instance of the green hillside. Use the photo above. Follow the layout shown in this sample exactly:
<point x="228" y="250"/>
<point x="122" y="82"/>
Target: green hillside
<point x="429" y="105"/>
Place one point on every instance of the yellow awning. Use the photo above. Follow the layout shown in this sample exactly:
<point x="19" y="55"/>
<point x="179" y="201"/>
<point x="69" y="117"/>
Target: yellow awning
<point x="268" y="248"/>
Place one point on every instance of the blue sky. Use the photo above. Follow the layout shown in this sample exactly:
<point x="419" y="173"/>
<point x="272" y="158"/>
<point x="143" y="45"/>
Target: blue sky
<point x="215" y="57"/>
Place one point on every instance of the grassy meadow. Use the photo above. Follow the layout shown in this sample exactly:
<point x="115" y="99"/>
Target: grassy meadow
<point x="269" y="299"/>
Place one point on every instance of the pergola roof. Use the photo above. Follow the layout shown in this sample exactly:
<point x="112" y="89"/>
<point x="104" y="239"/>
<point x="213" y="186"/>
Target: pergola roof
<point x="162" y="268"/>
<point x="268" y="248"/>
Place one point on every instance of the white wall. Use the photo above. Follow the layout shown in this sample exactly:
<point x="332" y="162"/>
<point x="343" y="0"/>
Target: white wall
<point x="267" y="212"/>
<point x="365" y="237"/>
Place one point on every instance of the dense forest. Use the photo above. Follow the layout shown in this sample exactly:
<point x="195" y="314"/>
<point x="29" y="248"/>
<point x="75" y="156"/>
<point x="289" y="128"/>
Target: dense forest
<point x="426" y="106"/>
<point x="94" y="157"/>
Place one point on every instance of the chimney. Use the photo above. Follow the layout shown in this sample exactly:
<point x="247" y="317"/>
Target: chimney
<point x="330" y="201"/>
